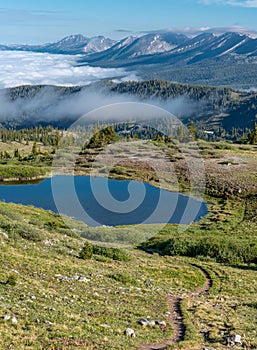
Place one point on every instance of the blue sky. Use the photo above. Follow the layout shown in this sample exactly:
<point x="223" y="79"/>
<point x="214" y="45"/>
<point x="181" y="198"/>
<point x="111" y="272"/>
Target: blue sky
<point x="30" y="21"/>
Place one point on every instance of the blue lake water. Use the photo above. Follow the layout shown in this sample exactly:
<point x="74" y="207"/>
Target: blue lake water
<point x="100" y="201"/>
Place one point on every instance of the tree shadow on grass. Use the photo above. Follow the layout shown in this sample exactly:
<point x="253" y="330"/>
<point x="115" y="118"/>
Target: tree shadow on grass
<point x="244" y="267"/>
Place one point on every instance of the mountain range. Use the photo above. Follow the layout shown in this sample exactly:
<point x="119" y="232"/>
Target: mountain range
<point x="152" y="48"/>
<point x="209" y="58"/>
<point x="73" y="45"/>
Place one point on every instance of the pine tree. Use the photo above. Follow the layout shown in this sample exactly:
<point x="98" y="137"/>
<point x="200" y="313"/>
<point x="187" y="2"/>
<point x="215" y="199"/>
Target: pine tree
<point x="253" y="135"/>
<point x="16" y="153"/>
<point x="34" y="149"/>
<point x="192" y="130"/>
<point x="87" y="251"/>
<point x="180" y="133"/>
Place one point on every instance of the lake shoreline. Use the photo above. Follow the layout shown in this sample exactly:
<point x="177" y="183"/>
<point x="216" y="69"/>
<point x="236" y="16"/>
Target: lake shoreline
<point x="101" y="201"/>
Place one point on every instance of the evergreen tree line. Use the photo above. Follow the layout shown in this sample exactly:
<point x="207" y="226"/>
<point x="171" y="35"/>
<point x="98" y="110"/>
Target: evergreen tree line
<point x="48" y="136"/>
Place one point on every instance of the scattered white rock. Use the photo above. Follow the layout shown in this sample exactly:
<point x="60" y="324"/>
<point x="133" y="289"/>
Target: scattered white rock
<point x="237" y="339"/>
<point x="151" y="323"/>
<point x="76" y="277"/>
<point x="14" y="320"/>
<point x="234" y="340"/>
<point x="4" y="235"/>
<point x="63" y="278"/>
<point x="129" y="332"/>
<point x="83" y="279"/>
<point x="47" y="242"/>
<point x="143" y="322"/>
<point x="7" y="317"/>
<point x="32" y="296"/>
<point x="49" y="323"/>
<point x="105" y="326"/>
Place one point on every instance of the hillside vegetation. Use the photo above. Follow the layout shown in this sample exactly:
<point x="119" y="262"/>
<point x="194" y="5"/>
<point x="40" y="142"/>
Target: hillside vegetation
<point x="229" y="113"/>
<point x="57" y="291"/>
<point x="51" y="298"/>
<point x="67" y="285"/>
<point x="221" y="109"/>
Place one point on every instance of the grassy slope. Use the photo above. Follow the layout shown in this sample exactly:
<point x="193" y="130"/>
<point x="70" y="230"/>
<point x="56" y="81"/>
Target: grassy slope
<point x="21" y="170"/>
<point x="62" y="313"/>
<point x="71" y="314"/>
<point x="87" y="315"/>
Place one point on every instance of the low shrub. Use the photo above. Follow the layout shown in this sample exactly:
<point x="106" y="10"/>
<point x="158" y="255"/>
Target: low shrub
<point x="124" y="279"/>
<point x="23" y="172"/>
<point x="87" y="251"/>
<point x="11" y="280"/>
<point x="221" y="249"/>
<point x="30" y="235"/>
<point x="112" y="253"/>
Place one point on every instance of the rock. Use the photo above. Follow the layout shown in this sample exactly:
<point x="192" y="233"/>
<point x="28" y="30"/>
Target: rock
<point x="49" y="323"/>
<point x="143" y="322"/>
<point x="62" y="278"/>
<point x="4" y="235"/>
<point x="234" y="339"/>
<point x="151" y="323"/>
<point x="83" y="279"/>
<point x="32" y="296"/>
<point x="14" y="320"/>
<point x="237" y="339"/>
<point x="7" y="317"/>
<point x="129" y="332"/>
<point x="105" y="326"/>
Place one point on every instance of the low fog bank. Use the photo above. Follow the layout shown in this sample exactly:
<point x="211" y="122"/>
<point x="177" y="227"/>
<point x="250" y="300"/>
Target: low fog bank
<point x="52" y="105"/>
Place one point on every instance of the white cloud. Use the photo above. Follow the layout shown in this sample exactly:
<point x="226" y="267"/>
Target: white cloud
<point x="239" y="3"/>
<point x="50" y="104"/>
<point x="190" y="31"/>
<point x="28" y="68"/>
<point x="194" y="31"/>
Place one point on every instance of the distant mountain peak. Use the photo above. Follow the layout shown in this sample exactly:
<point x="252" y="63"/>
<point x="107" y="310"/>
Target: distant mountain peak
<point x="98" y="43"/>
<point x="74" y="37"/>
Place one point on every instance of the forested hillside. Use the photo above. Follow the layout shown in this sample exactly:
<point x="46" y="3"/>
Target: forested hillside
<point x="217" y="108"/>
<point x="227" y="112"/>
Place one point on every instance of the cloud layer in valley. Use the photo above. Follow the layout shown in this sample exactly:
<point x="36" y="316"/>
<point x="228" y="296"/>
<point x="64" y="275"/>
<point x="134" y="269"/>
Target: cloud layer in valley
<point x="29" y="68"/>
<point x="50" y="104"/>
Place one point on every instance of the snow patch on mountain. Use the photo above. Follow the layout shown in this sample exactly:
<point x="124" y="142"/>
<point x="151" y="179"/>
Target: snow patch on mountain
<point x="153" y="46"/>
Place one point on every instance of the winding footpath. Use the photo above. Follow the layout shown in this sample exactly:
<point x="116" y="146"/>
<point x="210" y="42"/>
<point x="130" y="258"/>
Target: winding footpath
<point x="176" y="315"/>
